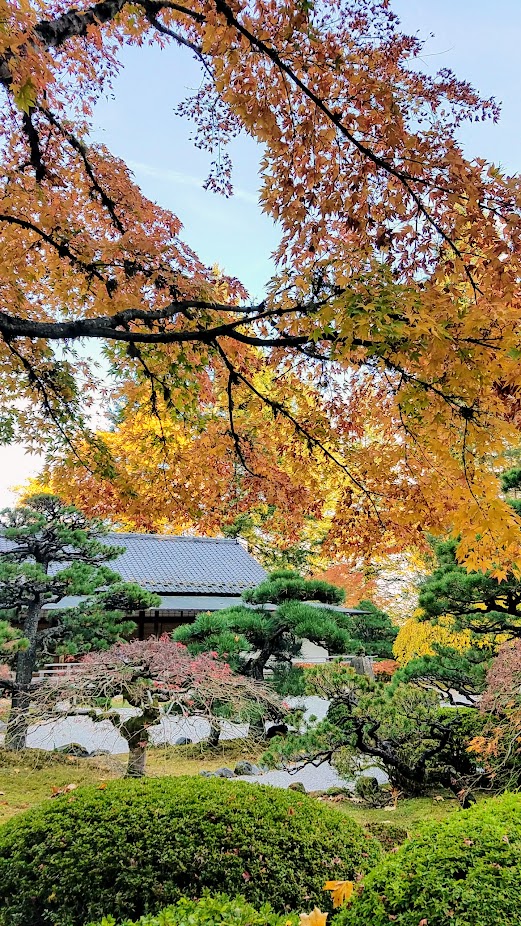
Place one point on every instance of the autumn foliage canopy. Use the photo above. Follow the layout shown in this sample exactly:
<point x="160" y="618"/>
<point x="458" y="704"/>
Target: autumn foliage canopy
<point x="380" y="372"/>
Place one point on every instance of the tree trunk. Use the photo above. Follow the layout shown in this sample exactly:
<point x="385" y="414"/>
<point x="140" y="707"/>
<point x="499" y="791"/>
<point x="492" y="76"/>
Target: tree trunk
<point x="136" y="760"/>
<point x="135" y="731"/>
<point x="18" y="720"/>
<point x="214" y="735"/>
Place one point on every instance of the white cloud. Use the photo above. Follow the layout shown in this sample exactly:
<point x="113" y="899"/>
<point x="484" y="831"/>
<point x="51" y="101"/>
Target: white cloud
<point x="182" y="179"/>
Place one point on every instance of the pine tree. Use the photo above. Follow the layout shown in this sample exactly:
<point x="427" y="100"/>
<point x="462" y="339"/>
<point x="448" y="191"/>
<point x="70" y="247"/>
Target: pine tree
<point x="252" y="635"/>
<point x="54" y="550"/>
<point x="473" y="601"/>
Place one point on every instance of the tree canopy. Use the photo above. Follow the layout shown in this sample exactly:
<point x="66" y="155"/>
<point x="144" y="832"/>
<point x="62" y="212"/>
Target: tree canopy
<point x="254" y="638"/>
<point x="386" y="347"/>
<point x="157" y="677"/>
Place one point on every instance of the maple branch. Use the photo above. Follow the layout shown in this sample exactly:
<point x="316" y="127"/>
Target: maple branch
<point x="34" y="146"/>
<point x="312" y="441"/>
<point x="151" y="10"/>
<point x="403" y="177"/>
<point x="55" y="32"/>
<point x="61" y="247"/>
<point x="82" y="150"/>
<point x="116" y="327"/>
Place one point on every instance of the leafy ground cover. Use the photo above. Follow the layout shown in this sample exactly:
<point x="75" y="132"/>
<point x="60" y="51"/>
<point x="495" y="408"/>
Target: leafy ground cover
<point x="132" y="846"/>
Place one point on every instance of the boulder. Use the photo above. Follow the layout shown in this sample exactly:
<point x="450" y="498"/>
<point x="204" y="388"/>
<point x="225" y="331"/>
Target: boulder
<point x="183" y="741"/>
<point x="224" y="773"/>
<point x="276" y="729"/>
<point x="73" y="749"/>
<point x="247" y="768"/>
<point x="99" y="752"/>
<point x="297" y="786"/>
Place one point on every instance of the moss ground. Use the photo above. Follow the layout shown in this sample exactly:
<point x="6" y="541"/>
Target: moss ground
<point x="31" y="777"/>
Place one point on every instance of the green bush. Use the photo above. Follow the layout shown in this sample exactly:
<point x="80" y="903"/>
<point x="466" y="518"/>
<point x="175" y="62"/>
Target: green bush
<point x="465" y="871"/>
<point x="367" y="788"/>
<point x="139" y="845"/>
<point x="219" y="910"/>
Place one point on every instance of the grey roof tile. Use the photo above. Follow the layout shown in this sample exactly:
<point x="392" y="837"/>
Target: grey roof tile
<point x="182" y="565"/>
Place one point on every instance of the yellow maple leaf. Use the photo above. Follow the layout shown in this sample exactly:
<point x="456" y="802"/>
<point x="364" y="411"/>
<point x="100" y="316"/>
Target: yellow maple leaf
<point x="341" y="891"/>
<point x="315" y="918"/>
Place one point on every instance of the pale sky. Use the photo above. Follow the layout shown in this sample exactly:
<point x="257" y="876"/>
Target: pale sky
<point x="477" y="39"/>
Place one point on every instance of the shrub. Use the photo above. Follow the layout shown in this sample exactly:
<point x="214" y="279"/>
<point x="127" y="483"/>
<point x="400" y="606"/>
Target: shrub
<point x="219" y="910"/>
<point x="140" y="845"/>
<point x="367" y="787"/>
<point x="465" y="871"/>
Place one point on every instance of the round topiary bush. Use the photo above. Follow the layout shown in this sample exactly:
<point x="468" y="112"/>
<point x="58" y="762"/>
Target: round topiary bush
<point x="217" y="910"/>
<point x="465" y="871"/>
<point x="140" y="845"/>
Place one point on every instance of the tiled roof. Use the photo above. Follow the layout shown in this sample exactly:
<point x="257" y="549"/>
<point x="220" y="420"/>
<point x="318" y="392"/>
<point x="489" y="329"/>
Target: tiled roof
<point x="182" y="565"/>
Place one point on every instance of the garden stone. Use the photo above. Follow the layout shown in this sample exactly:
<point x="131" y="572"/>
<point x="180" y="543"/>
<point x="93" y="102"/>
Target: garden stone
<point x="74" y="749"/>
<point x="224" y="773"/>
<point x="206" y="774"/>
<point x="297" y="786"/>
<point x="247" y="768"/>
<point x="99" y="752"/>
<point x="276" y="729"/>
<point x="183" y="741"/>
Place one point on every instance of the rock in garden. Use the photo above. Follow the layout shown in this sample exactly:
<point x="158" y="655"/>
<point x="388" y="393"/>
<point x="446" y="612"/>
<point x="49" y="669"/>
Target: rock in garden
<point x="224" y="773"/>
<point x="99" y="752"/>
<point x="206" y="774"/>
<point x="247" y="768"/>
<point x="183" y="741"/>
<point x="297" y="786"/>
<point x="276" y="729"/>
<point x="73" y="749"/>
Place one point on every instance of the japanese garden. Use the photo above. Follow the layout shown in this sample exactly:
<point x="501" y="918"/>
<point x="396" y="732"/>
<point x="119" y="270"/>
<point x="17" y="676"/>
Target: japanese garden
<point x="260" y="463"/>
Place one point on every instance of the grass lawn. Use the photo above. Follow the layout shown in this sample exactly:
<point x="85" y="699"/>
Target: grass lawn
<point x="32" y="776"/>
<point x="409" y="813"/>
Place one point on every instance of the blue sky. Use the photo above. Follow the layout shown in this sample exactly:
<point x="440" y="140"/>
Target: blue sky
<point x="479" y="40"/>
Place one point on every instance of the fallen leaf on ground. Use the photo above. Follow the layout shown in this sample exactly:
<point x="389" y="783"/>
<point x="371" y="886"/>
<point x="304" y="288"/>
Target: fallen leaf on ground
<point x="341" y="891"/>
<point x="66" y="788"/>
<point x="315" y="918"/>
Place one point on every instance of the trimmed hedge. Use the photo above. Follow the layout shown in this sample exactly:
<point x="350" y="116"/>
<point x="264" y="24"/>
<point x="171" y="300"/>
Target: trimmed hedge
<point x="465" y="871"/>
<point x="219" y="910"/>
<point x="140" y="845"/>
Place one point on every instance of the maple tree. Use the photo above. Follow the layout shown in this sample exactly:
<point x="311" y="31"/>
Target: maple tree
<point x="393" y="311"/>
<point x="52" y="550"/>
<point x="159" y="678"/>
<point x="498" y="745"/>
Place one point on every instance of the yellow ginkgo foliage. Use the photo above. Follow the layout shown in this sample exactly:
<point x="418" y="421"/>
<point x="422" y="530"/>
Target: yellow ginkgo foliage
<point x="417" y="638"/>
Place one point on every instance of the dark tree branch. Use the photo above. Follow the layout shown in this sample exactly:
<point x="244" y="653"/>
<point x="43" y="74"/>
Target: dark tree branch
<point x="34" y="146"/>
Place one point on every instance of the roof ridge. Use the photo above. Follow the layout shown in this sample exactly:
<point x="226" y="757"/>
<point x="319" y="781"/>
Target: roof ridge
<point x="197" y="539"/>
